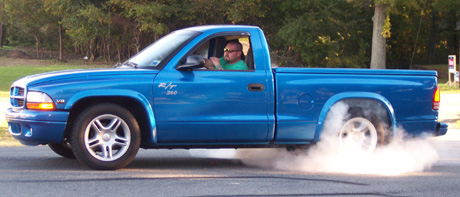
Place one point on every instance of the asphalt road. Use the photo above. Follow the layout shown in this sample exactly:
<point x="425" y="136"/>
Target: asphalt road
<point x="420" y="167"/>
<point x="36" y="171"/>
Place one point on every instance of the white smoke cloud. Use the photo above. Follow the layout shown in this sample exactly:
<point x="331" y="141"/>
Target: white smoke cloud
<point x="401" y="155"/>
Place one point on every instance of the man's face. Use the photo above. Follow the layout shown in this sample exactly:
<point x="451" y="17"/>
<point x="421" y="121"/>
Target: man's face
<point x="234" y="56"/>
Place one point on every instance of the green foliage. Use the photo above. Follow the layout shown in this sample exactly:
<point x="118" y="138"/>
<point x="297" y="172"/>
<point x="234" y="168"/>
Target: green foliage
<point x="325" y="33"/>
<point x="312" y="33"/>
<point x="148" y="16"/>
<point x="28" y="17"/>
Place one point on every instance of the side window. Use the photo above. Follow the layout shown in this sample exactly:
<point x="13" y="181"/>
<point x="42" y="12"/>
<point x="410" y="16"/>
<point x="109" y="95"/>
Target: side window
<point x="203" y="50"/>
<point x="247" y="50"/>
<point x="228" y="53"/>
<point x="246" y="44"/>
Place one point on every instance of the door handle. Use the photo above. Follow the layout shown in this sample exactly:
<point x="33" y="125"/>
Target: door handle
<point x="256" y="87"/>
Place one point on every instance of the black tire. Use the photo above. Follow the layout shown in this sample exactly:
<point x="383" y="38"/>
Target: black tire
<point x="105" y="137"/>
<point x="62" y="149"/>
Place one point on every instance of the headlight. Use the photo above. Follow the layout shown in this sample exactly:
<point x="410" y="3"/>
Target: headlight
<point x="39" y="100"/>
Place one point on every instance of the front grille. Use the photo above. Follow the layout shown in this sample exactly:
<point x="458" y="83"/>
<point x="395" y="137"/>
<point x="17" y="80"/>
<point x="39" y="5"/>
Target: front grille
<point x="17" y="97"/>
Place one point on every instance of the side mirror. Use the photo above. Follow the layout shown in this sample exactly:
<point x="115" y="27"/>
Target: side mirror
<point x="192" y="62"/>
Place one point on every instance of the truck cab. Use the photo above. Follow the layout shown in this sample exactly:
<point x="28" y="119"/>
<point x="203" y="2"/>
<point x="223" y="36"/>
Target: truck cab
<point x="201" y="105"/>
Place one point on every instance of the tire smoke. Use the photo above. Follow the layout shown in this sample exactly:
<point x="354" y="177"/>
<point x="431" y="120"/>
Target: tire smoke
<point x="401" y="155"/>
<point x="414" y="155"/>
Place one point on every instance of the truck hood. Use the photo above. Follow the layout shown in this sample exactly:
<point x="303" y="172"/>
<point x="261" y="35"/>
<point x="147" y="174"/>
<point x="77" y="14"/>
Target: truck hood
<point x="78" y="74"/>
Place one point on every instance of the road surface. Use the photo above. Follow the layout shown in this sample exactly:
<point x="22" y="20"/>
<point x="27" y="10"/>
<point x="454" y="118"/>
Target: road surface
<point x="419" y="167"/>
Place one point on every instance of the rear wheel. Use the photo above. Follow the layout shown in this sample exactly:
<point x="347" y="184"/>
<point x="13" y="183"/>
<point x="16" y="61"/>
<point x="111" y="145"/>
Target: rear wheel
<point x="361" y="132"/>
<point x="106" y="137"/>
<point x="358" y="134"/>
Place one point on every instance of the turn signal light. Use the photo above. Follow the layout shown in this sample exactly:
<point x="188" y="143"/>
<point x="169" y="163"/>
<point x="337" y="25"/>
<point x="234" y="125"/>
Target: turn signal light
<point x="40" y="106"/>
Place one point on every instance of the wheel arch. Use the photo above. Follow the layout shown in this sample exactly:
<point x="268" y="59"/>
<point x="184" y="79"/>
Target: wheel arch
<point x="355" y="99"/>
<point x="137" y="104"/>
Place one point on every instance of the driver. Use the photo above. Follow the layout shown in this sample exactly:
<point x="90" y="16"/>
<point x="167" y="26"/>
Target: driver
<point x="231" y="59"/>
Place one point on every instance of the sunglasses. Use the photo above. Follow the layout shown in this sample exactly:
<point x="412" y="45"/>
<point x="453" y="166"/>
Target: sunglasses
<point x="230" y="50"/>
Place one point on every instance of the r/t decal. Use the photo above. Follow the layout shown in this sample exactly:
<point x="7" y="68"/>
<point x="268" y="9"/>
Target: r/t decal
<point x="169" y="87"/>
<point x="166" y="86"/>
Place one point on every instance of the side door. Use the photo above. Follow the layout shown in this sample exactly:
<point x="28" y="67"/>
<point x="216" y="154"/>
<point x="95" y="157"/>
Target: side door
<point x="212" y="106"/>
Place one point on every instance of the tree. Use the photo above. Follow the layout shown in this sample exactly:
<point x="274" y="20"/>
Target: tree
<point x="449" y="12"/>
<point x="29" y="16"/>
<point x="3" y="20"/>
<point x="147" y="17"/>
<point x="86" y="24"/>
<point x="324" y="33"/>
<point x="378" y="57"/>
<point x="59" y="10"/>
<point x="311" y="33"/>
<point x="382" y="27"/>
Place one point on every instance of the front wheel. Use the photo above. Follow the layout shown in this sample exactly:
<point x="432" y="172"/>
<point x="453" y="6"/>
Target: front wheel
<point x="105" y="137"/>
<point x="62" y="149"/>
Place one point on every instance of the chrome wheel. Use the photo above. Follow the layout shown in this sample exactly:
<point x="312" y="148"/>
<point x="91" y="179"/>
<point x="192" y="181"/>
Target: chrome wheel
<point x="358" y="134"/>
<point x="107" y="137"/>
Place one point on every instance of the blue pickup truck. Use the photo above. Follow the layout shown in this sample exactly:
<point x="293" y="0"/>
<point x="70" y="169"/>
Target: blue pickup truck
<point x="164" y="97"/>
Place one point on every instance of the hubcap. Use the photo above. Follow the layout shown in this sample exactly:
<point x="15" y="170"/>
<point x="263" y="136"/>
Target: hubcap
<point x="358" y="134"/>
<point x="107" y="137"/>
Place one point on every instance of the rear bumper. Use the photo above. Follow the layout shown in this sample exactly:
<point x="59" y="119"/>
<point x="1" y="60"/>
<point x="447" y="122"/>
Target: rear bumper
<point x="441" y="129"/>
<point x="36" y="127"/>
<point x="431" y="127"/>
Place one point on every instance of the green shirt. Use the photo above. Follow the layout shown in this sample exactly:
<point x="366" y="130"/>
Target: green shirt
<point x="239" y="65"/>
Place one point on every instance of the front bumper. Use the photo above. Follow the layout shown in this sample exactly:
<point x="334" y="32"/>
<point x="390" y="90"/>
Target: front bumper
<point x="36" y="127"/>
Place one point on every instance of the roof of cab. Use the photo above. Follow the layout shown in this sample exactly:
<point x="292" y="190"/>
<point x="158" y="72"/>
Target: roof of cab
<point x="215" y="27"/>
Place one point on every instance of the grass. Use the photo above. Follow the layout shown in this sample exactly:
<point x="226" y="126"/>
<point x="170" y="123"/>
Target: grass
<point x="4" y="94"/>
<point x="9" y="74"/>
<point x="447" y="89"/>
<point x="6" y="139"/>
<point x="443" y="78"/>
<point x="13" y="69"/>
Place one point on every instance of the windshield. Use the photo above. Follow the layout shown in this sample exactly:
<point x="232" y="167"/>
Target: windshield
<point x="161" y="49"/>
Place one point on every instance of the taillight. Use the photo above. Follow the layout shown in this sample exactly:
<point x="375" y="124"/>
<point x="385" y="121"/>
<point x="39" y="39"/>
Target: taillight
<point x="436" y="99"/>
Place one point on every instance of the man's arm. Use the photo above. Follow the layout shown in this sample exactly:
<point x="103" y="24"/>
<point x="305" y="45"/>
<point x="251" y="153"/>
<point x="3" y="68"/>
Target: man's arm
<point x="212" y="63"/>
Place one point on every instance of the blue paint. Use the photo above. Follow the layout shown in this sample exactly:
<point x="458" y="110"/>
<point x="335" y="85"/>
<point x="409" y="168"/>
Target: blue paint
<point x="186" y="108"/>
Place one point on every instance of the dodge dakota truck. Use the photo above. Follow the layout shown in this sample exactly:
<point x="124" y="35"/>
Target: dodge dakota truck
<point x="164" y="98"/>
